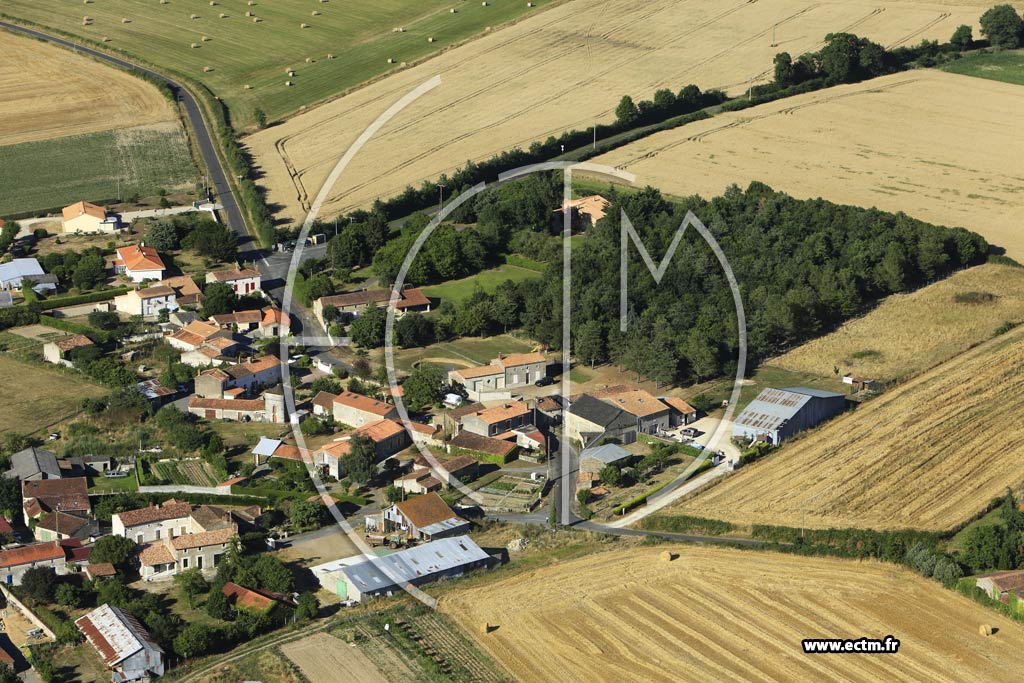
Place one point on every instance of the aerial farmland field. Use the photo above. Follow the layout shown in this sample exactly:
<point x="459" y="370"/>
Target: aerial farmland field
<point x="908" y="333"/>
<point x="717" y="614"/>
<point x="39" y="405"/>
<point x="256" y="50"/>
<point x="64" y="137"/>
<point x="927" y="454"/>
<point x="563" y="69"/>
<point x="931" y="144"/>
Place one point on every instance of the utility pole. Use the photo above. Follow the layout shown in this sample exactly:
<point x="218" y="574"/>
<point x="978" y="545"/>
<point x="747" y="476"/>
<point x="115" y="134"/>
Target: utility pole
<point x="595" y="135"/>
<point x="335" y="226"/>
<point x="440" y="198"/>
<point x="774" y="43"/>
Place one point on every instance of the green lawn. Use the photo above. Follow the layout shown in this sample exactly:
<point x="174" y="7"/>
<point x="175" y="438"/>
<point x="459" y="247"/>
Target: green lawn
<point x="471" y="350"/>
<point x="103" y="484"/>
<point x="992" y="518"/>
<point x="488" y="280"/>
<point x="1006" y="66"/>
<point x="45" y="395"/>
<point x="767" y="376"/>
<point x="359" y="33"/>
<point x="53" y="173"/>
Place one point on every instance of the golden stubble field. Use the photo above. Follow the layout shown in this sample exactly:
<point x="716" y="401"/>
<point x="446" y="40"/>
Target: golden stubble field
<point x="565" y="68"/>
<point x="322" y="658"/>
<point x="935" y="145"/>
<point x="717" y="614"/>
<point x="50" y="92"/>
<point x="927" y="454"/>
<point x="912" y="332"/>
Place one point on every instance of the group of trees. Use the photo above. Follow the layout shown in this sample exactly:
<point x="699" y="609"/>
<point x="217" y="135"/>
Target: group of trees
<point x="1003" y="27"/>
<point x="666" y="104"/>
<point x="996" y="546"/>
<point x="83" y="269"/>
<point x="194" y="231"/>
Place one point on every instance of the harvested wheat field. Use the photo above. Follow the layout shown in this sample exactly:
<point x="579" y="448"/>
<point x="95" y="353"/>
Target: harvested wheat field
<point x="49" y="92"/>
<point x="716" y="614"/>
<point x="927" y="454"/>
<point x="908" y="333"/>
<point x="563" y="69"/>
<point x="322" y="658"/>
<point x="932" y="144"/>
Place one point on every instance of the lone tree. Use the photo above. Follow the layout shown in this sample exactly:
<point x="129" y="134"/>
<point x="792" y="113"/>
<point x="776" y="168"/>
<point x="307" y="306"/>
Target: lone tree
<point x="1002" y="26"/>
<point x="627" y="112"/>
<point x="358" y="464"/>
<point x="963" y="37"/>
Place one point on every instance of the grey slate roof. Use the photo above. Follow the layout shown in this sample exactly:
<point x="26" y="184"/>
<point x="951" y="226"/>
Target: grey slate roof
<point x="34" y="461"/>
<point x="607" y="453"/>
<point x="597" y="411"/>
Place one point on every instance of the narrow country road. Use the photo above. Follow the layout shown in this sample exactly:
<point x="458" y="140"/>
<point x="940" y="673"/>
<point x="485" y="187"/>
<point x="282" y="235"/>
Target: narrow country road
<point x="219" y="185"/>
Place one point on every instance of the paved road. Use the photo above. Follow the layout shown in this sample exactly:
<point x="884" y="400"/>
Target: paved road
<point x="203" y="137"/>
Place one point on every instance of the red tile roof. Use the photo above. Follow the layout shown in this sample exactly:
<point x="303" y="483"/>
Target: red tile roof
<point x="37" y="552"/>
<point x="483" y="444"/>
<point x="244" y="405"/>
<point x="139" y="257"/>
<point x="73" y="342"/>
<point x="82" y="209"/>
<point x="171" y="509"/>
<point x="245" y="598"/>
<point x="154" y="554"/>
<point x="205" y="538"/>
<point x="233" y="274"/>
<point x="364" y="403"/>
<point x="425" y="510"/>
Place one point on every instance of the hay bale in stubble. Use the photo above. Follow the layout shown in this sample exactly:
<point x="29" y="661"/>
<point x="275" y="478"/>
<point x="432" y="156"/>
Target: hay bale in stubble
<point x="666" y="556"/>
<point x="985" y="630"/>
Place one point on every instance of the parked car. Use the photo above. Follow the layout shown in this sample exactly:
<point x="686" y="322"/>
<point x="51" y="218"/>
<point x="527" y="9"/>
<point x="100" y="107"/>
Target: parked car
<point x="544" y="381"/>
<point x="114" y="474"/>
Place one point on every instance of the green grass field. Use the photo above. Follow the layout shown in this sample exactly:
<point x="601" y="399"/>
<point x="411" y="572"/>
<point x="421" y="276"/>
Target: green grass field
<point x="1006" y="66"/>
<point x="43" y="398"/>
<point x="488" y="280"/>
<point x="53" y="173"/>
<point x="359" y="33"/>
<point x="470" y="350"/>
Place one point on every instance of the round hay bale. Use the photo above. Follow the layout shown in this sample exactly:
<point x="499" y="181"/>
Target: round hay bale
<point x="288" y="83"/>
<point x="125" y="20"/>
<point x="251" y="3"/>
<point x="666" y="556"/>
<point x="163" y="2"/>
<point x="452" y="10"/>
<point x="390" y="61"/>
<point x="194" y="16"/>
<point x="430" y="39"/>
<point x="195" y="45"/>
<point x="985" y="630"/>
<point x="291" y="73"/>
<point x="485" y="628"/>
<point x="247" y="87"/>
<point x="207" y="69"/>
<point x="303" y="25"/>
<point x="206" y="39"/>
<point x="315" y="13"/>
<point x="248" y="13"/>
<point x="330" y="56"/>
<point x="401" y="29"/>
<point x="256" y="20"/>
<point x="213" y="3"/>
<point x="484" y="3"/>
<point x="106" y="39"/>
<point x="529" y="4"/>
<point x="223" y="16"/>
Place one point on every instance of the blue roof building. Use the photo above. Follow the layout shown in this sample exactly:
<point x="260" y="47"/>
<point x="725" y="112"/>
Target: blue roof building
<point x="777" y="414"/>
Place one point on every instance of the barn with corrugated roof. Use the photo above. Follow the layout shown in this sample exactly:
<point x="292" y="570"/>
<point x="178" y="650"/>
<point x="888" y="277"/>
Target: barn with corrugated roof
<point x="777" y="414"/>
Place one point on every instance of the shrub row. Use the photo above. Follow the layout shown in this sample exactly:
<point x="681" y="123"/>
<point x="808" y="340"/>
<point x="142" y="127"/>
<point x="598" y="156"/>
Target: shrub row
<point x="92" y="297"/>
<point x="686" y="524"/>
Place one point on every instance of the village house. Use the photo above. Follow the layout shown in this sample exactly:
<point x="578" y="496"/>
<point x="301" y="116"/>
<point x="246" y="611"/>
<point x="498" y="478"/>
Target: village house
<point x="153" y="523"/>
<point x="261" y="601"/>
<point x="681" y="413"/>
<point x="198" y="333"/>
<point x="86" y="218"/>
<point x="16" y="271"/>
<point x="498" y="421"/>
<point x="259" y="324"/>
<point x="585" y="212"/>
<point x="202" y="550"/>
<point x="146" y="302"/>
<point x="503" y="449"/>
<point x="353" y="303"/>
<point x="34" y="463"/>
<point x="356" y="410"/>
<point x="1000" y="585"/>
<point x="590" y="420"/>
<point x="388" y="437"/>
<point x="652" y="416"/>
<point x="186" y="291"/>
<point x="418" y="482"/>
<point x="69" y="495"/>
<point x="426" y="477"/>
<point x="420" y="518"/>
<point x="139" y="263"/>
<point x="243" y="282"/>
<point x="123" y="643"/>
<point x="504" y="373"/>
<point x="59" y="352"/>
<point x="269" y="407"/>
<point x="58" y="526"/>
<point x="215" y="382"/>
<point x="16" y="561"/>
